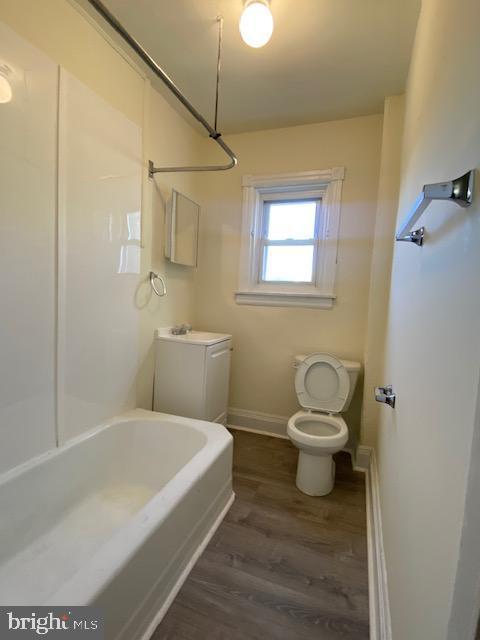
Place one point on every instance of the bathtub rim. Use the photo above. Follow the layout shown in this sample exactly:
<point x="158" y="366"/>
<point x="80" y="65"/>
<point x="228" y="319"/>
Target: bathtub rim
<point x="129" y="416"/>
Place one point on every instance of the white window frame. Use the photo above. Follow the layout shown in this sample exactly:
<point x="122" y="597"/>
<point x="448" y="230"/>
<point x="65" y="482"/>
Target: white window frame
<point x="320" y="294"/>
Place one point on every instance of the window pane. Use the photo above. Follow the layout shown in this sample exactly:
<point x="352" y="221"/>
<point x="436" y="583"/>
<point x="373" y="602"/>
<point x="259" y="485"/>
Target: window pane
<point x="291" y="220"/>
<point x="288" y="264"/>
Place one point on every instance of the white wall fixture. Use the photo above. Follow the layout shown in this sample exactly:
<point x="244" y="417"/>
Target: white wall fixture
<point x="28" y="131"/>
<point x="100" y="162"/>
<point x="256" y="23"/>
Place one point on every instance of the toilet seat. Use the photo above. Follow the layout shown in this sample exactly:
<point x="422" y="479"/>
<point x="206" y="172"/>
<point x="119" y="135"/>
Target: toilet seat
<point x="322" y="383"/>
<point x="311" y="435"/>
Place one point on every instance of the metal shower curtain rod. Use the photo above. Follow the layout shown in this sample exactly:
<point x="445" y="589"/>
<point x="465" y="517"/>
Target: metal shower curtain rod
<point x="160" y="73"/>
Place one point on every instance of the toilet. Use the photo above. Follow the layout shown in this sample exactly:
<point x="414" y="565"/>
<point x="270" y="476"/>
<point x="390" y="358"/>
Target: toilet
<point x="324" y="386"/>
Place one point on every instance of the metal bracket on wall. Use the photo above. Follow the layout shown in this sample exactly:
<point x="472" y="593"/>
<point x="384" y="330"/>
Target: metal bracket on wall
<point x="459" y="190"/>
<point x="386" y="395"/>
<point x="415" y="236"/>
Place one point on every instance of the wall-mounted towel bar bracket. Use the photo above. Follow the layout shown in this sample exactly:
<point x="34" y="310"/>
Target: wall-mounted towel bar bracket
<point x="459" y="191"/>
<point x="415" y="236"/>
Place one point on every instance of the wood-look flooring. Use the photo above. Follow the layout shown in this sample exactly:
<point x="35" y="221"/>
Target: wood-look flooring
<point x="282" y="565"/>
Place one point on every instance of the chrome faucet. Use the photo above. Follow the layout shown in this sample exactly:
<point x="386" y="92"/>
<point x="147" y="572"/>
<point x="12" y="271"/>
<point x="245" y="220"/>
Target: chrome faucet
<point x="181" y="329"/>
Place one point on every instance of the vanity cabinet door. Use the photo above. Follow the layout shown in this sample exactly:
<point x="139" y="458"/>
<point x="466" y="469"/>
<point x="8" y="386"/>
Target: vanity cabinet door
<point x="217" y="377"/>
<point x="179" y="386"/>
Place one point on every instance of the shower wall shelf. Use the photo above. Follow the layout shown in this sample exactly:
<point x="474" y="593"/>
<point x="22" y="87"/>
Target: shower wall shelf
<point x="459" y="190"/>
<point x="168" y="82"/>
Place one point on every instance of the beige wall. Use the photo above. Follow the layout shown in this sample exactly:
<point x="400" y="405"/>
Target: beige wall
<point x="168" y="140"/>
<point x="433" y="342"/>
<point x="71" y="40"/>
<point x="383" y="243"/>
<point x="267" y="338"/>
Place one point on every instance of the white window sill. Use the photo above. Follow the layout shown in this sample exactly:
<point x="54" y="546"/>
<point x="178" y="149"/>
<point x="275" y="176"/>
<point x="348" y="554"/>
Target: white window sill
<point x="285" y="299"/>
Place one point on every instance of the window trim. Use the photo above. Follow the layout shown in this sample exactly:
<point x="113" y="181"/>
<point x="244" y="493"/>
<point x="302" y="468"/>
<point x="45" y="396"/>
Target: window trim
<point x="326" y="185"/>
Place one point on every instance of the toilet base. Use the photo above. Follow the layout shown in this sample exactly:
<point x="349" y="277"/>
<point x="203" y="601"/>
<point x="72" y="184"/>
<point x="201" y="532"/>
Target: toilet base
<point x="315" y="474"/>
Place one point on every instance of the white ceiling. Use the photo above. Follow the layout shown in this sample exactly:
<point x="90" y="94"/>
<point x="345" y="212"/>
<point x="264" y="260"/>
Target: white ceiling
<point x="327" y="59"/>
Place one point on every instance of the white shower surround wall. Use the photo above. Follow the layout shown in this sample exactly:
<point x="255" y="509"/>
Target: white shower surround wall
<point x="27" y="252"/>
<point x="123" y="536"/>
<point x="71" y="183"/>
<point x="99" y="235"/>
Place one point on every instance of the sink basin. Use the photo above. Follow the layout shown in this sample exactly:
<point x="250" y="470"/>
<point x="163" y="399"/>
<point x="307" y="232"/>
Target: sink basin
<point x="193" y="337"/>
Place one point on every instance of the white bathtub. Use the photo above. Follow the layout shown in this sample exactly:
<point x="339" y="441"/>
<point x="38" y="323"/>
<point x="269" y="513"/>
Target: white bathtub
<point x="115" y="518"/>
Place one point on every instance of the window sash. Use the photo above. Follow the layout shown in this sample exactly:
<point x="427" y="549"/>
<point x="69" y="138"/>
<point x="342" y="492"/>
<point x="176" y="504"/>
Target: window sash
<point x="288" y="242"/>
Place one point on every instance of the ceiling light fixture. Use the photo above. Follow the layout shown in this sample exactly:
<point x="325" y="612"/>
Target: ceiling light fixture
<point x="5" y="90"/>
<point x="256" y="23"/>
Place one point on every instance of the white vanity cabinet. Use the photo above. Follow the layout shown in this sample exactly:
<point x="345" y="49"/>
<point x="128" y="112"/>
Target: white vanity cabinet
<point x="192" y="373"/>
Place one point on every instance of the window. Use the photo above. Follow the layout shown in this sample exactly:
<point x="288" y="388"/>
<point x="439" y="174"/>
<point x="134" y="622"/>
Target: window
<point x="288" y="245"/>
<point x="289" y="239"/>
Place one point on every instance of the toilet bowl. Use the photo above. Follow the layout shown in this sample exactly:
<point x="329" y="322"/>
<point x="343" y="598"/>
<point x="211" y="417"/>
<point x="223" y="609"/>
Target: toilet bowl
<point x="324" y="386"/>
<point x="318" y="437"/>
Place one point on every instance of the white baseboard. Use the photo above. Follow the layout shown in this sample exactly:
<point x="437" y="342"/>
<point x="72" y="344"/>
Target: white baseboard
<point x="380" y="622"/>
<point x="268" y="424"/>
<point x="361" y="459"/>
<point x="265" y="424"/>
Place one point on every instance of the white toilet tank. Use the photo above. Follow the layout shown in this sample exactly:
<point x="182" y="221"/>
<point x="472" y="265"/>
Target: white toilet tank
<point x="353" y="369"/>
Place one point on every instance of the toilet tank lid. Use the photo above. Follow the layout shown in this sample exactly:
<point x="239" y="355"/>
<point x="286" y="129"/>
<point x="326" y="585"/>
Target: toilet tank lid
<point x="349" y="365"/>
